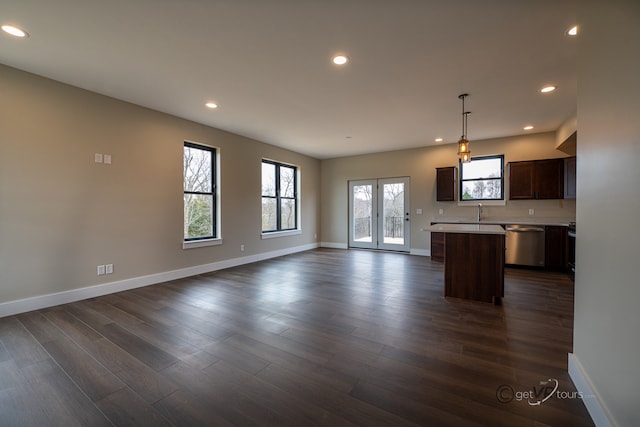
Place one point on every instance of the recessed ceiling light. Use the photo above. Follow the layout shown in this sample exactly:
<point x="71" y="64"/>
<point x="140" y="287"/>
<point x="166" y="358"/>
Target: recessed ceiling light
<point x="549" y="88"/>
<point x="439" y="140"/>
<point x="15" y="31"/>
<point x="572" y="31"/>
<point x="211" y="105"/>
<point x="528" y="127"/>
<point x="340" y="59"/>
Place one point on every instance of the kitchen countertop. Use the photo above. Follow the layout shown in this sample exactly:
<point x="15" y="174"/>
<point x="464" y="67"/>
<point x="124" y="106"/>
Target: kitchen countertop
<point x="502" y="221"/>
<point x="466" y="228"/>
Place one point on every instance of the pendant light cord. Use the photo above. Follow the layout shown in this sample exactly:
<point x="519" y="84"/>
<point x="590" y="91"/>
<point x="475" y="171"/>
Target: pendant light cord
<point x="464" y="128"/>
<point x="464" y="116"/>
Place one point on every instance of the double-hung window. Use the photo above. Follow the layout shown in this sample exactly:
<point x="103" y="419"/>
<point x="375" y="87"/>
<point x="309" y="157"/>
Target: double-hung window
<point x="482" y="179"/>
<point x="199" y="192"/>
<point x="279" y="197"/>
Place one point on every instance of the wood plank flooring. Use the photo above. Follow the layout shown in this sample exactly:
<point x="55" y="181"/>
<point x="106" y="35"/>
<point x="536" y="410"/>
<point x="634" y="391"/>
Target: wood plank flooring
<point x="324" y="337"/>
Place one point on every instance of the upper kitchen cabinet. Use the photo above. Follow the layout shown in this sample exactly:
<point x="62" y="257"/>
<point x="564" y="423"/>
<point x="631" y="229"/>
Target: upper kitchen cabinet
<point x="446" y="184"/>
<point x="570" y="178"/>
<point x="537" y="179"/>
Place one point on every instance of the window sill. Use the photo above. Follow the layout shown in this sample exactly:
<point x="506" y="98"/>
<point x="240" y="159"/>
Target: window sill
<point x="192" y="244"/>
<point x="483" y="202"/>
<point x="275" y="234"/>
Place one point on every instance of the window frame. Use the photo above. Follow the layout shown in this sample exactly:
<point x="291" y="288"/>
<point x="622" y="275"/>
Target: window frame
<point x="461" y="181"/>
<point x="214" y="238"/>
<point x="279" y="197"/>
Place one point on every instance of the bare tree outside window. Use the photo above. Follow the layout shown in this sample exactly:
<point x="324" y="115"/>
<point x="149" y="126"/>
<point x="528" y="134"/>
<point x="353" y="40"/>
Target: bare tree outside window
<point x="199" y="186"/>
<point x="482" y="179"/>
<point x="279" y="197"/>
<point x="362" y="206"/>
<point x="269" y="200"/>
<point x="394" y="210"/>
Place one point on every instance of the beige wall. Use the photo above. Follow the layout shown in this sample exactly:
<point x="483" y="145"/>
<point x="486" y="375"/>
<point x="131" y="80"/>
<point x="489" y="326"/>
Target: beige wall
<point x="607" y="290"/>
<point x="419" y="165"/>
<point x="61" y="214"/>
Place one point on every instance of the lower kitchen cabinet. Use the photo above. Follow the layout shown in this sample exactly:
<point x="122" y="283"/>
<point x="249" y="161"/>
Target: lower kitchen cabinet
<point x="437" y="246"/>
<point x="555" y="247"/>
<point x="474" y="266"/>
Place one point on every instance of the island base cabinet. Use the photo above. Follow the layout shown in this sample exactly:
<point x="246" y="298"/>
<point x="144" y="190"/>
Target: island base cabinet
<point x="474" y="266"/>
<point x="437" y="246"/>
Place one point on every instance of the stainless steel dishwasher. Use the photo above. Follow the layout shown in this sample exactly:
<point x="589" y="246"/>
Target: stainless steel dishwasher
<point x="524" y="245"/>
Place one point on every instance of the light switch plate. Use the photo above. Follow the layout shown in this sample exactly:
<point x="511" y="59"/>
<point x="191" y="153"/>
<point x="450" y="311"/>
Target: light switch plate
<point x="418" y="211"/>
<point x="531" y="211"/>
<point x="97" y="158"/>
<point x="109" y="268"/>
<point x="107" y="159"/>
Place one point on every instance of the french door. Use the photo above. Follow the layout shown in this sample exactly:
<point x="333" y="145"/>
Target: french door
<point x="379" y="214"/>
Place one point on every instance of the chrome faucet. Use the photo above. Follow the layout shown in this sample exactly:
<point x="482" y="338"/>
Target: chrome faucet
<point x="479" y="212"/>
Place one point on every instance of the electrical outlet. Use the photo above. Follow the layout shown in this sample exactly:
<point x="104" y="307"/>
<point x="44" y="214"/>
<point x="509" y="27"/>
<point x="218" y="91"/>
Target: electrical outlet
<point x="241" y="248"/>
<point x="418" y="211"/>
<point x="101" y="270"/>
<point x="108" y="268"/>
<point x="531" y="211"/>
<point x="440" y="211"/>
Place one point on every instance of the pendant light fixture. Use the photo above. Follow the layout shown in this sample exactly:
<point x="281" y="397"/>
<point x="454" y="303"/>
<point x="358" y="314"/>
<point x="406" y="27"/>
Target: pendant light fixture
<point x="464" y="152"/>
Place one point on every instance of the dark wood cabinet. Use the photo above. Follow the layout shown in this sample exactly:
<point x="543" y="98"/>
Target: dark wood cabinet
<point x="437" y="246"/>
<point x="549" y="179"/>
<point x="446" y="184"/>
<point x="537" y="179"/>
<point x="570" y="177"/>
<point x="474" y="266"/>
<point x="521" y="180"/>
<point x="555" y="247"/>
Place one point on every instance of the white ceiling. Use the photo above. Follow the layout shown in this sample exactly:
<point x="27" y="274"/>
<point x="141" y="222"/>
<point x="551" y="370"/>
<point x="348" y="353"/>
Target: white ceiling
<point x="267" y="64"/>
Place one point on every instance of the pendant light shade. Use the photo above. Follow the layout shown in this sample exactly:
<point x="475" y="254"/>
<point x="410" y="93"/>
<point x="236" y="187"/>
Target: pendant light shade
<point x="464" y="152"/>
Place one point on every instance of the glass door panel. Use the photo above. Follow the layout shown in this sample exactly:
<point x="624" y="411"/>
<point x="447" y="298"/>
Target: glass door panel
<point x="394" y="208"/>
<point x="362" y="208"/>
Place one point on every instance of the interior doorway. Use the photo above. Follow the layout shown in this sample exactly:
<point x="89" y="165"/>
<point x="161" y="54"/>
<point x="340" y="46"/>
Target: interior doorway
<point x="379" y="214"/>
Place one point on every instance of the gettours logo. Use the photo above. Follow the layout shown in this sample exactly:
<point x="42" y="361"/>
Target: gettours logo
<point x="544" y="391"/>
<point x="540" y="393"/>
<point x="505" y="393"/>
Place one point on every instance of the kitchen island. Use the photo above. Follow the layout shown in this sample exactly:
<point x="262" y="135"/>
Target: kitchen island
<point x="473" y="261"/>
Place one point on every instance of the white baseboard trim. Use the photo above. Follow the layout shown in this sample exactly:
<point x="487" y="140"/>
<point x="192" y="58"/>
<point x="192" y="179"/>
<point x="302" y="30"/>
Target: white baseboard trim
<point x="412" y="251"/>
<point x="592" y="400"/>
<point x="420" y="252"/>
<point x="49" y="300"/>
<point x="333" y="245"/>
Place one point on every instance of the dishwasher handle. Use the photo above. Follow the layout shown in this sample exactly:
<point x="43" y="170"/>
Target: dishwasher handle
<point x="525" y="229"/>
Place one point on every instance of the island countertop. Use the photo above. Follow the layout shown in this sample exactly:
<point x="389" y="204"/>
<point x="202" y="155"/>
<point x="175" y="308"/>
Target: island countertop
<point x="466" y="228"/>
<point x="505" y="220"/>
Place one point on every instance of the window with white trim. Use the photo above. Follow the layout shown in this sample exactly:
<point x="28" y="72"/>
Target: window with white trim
<point x="482" y="179"/>
<point x="279" y="197"/>
<point x="199" y="164"/>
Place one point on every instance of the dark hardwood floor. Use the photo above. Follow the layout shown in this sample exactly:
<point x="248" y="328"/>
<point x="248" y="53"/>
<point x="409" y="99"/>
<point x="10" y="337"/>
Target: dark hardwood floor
<point x="324" y="337"/>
